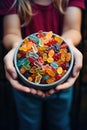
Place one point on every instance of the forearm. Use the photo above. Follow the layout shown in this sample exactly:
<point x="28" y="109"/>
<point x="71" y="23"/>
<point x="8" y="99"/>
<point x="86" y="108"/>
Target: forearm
<point x="72" y="25"/>
<point x="11" y="40"/>
<point x="73" y="36"/>
<point x="11" y="31"/>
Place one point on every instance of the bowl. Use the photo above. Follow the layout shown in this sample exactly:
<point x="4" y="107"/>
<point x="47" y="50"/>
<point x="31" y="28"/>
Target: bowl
<point x="43" y="60"/>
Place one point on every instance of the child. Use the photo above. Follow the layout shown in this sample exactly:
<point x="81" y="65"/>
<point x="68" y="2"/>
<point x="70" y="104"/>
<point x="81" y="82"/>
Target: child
<point x="29" y="16"/>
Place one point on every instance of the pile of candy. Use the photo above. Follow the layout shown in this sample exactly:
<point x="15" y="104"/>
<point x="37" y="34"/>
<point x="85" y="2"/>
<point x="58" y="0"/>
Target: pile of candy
<point x="43" y="58"/>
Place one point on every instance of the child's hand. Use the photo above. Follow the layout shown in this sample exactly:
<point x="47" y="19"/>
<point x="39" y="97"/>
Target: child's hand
<point x="75" y="73"/>
<point x="11" y="75"/>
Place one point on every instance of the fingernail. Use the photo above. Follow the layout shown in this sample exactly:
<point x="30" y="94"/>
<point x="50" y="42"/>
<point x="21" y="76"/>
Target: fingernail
<point x="33" y="91"/>
<point x="28" y="90"/>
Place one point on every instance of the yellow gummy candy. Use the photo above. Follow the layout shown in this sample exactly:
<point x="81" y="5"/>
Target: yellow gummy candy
<point x="44" y="56"/>
<point x="58" y="39"/>
<point x="49" y="35"/>
<point x="50" y="60"/>
<point x="59" y="70"/>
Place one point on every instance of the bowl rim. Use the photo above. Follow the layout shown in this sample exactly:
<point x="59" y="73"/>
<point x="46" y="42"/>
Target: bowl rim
<point x="44" y="86"/>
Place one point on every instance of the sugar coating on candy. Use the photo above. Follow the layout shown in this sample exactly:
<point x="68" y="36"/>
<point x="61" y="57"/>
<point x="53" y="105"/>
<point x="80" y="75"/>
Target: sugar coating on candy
<point x="43" y="58"/>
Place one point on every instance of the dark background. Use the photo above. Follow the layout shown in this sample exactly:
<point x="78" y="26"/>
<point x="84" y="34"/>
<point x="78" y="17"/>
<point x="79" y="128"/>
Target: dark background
<point x="8" y="115"/>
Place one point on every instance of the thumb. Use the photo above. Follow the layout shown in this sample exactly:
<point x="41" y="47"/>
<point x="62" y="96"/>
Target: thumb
<point x="9" y="66"/>
<point x="78" y="62"/>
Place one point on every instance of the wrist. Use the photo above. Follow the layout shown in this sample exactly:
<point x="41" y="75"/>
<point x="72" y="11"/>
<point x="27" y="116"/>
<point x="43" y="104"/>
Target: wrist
<point x="69" y="41"/>
<point x="15" y="45"/>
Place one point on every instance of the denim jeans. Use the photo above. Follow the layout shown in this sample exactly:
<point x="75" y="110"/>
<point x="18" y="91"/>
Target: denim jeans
<point x="57" y="110"/>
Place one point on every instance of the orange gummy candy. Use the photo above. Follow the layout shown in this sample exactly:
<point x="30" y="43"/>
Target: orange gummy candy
<point x="51" y="53"/>
<point x="22" y="70"/>
<point x="50" y="80"/>
<point x="50" y="72"/>
<point x="30" y="78"/>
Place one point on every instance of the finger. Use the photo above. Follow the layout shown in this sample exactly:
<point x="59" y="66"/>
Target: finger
<point x="9" y="66"/>
<point x="11" y="72"/>
<point x="50" y="92"/>
<point x="67" y="84"/>
<point x="78" y="61"/>
<point x="64" y="86"/>
<point x="33" y="91"/>
<point x="20" y="87"/>
<point x="40" y="93"/>
<point x="15" y="84"/>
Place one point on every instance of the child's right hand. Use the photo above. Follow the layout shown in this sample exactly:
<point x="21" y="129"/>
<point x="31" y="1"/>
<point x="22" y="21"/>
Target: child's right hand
<point x="11" y="75"/>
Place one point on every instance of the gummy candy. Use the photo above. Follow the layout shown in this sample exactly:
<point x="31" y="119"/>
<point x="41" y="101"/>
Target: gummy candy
<point x="33" y="69"/>
<point x="36" y="63"/>
<point x="59" y="70"/>
<point x="45" y="77"/>
<point x="31" y="60"/>
<point x="26" y="65"/>
<point x="35" y="50"/>
<point x="50" y="72"/>
<point x="50" y="80"/>
<point x="57" y="77"/>
<point x="57" y="47"/>
<point x="65" y="66"/>
<point x="21" y="61"/>
<point x="44" y="56"/>
<point x="21" y="54"/>
<point x="54" y="65"/>
<point x="38" y="78"/>
<point x="34" y="38"/>
<point x="30" y="79"/>
<point x="57" y="56"/>
<point x="58" y="39"/>
<point x="49" y="35"/>
<point x="39" y="71"/>
<point x="22" y="70"/>
<point x="40" y="34"/>
<point x="68" y="57"/>
<point x="40" y="60"/>
<point x="41" y="42"/>
<point x="34" y="55"/>
<point x="51" y="53"/>
<point x="50" y="59"/>
<point x="63" y="46"/>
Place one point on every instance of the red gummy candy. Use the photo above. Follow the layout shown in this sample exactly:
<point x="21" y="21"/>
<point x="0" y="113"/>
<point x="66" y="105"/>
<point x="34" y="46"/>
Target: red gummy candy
<point x="40" y="60"/>
<point x="57" y="56"/>
<point x="63" y="46"/>
<point x="51" y="42"/>
<point x="23" y="54"/>
<point x="31" y="59"/>
<point x="57" y="77"/>
<point x="65" y="66"/>
<point x="40" y="34"/>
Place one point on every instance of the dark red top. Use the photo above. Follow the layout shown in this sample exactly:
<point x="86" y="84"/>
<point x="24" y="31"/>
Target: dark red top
<point x="5" y="7"/>
<point x="45" y="18"/>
